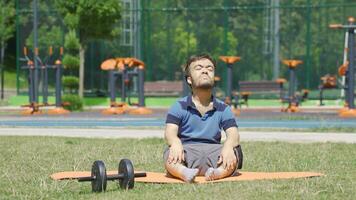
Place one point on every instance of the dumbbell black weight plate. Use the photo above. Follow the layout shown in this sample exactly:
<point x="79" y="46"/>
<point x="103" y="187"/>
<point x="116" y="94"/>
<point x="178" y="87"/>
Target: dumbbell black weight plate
<point x="98" y="172"/>
<point x="126" y="169"/>
<point x="240" y="157"/>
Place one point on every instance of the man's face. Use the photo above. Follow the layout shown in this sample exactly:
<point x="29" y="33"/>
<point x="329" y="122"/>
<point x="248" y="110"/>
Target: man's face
<point x="201" y="74"/>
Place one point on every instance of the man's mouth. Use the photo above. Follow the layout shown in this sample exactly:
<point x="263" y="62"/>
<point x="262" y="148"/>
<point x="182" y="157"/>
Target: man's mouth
<point x="205" y="76"/>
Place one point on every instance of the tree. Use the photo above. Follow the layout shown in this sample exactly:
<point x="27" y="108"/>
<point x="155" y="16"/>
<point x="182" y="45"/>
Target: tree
<point x="91" y="19"/>
<point x="7" y="27"/>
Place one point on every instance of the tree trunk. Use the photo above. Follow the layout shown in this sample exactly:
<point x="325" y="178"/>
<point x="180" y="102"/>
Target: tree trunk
<point x="81" y="71"/>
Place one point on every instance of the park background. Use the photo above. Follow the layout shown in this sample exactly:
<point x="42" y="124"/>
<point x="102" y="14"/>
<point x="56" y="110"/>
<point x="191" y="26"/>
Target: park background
<point x="165" y="33"/>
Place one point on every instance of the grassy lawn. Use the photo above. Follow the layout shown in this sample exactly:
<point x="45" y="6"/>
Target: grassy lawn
<point x="97" y="101"/>
<point x="27" y="163"/>
<point x="10" y="80"/>
<point x="167" y="101"/>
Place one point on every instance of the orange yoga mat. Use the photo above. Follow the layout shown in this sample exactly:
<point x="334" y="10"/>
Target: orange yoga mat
<point x="156" y="177"/>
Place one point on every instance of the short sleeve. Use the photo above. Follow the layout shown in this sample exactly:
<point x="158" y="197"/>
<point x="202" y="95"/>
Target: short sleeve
<point x="228" y="119"/>
<point x="174" y="115"/>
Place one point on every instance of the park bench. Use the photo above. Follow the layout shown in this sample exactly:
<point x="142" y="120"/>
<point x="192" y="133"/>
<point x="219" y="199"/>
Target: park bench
<point x="260" y="87"/>
<point x="266" y="87"/>
<point x="163" y="88"/>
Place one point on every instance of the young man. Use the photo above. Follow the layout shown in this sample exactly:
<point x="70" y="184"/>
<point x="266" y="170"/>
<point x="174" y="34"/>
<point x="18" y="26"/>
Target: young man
<point x="193" y="128"/>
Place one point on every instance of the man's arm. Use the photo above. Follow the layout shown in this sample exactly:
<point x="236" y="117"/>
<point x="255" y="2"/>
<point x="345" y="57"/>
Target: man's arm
<point x="232" y="137"/>
<point x="174" y="164"/>
<point x="176" y="153"/>
<point x="227" y="157"/>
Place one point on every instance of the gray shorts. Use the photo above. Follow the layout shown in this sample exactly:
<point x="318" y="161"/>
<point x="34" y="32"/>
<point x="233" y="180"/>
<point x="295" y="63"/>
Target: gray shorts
<point x="200" y="155"/>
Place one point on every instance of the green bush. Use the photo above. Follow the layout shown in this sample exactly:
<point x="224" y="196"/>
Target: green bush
<point x="70" y="82"/>
<point x="72" y="102"/>
<point x="71" y="62"/>
<point x="71" y="20"/>
<point x="71" y="41"/>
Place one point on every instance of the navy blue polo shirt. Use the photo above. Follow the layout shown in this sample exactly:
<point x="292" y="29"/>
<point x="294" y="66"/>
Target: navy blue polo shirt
<point x="195" y="128"/>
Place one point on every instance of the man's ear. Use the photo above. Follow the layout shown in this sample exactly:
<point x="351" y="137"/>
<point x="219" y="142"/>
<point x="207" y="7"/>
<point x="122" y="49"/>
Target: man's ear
<point x="189" y="80"/>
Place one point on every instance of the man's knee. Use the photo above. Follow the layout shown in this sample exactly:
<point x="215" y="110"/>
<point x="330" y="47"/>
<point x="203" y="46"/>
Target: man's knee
<point x="165" y="154"/>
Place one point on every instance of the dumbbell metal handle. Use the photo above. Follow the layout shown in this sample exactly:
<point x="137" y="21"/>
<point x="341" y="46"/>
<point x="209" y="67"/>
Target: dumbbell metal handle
<point x="110" y="177"/>
<point x="120" y="176"/>
<point x="87" y="178"/>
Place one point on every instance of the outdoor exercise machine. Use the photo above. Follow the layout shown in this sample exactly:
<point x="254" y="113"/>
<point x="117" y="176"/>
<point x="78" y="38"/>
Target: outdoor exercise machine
<point x="293" y="98"/>
<point x="48" y="63"/>
<point x="126" y="68"/>
<point x="347" y="69"/>
<point x="327" y="82"/>
<point x="230" y="61"/>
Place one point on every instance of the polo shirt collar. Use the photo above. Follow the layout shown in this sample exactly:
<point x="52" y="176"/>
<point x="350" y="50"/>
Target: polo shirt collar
<point x="192" y="105"/>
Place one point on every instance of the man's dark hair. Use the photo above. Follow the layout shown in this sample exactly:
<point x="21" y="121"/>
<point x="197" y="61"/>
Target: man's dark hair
<point x="195" y="58"/>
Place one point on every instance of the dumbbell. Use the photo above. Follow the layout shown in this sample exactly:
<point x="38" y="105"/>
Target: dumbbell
<point x="99" y="178"/>
<point x="240" y="157"/>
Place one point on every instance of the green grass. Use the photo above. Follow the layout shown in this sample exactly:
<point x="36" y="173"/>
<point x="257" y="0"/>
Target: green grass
<point x="27" y="163"/>
<point x="99" y="101"/>
<point x="149" y="101"/>
<point x="166" y="101"/>
<point x="10" y="80"/>
<point x="21" y="100"/>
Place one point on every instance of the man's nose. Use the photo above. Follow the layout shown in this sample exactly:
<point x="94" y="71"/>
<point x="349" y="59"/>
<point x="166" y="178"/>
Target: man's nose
<point x="205" y="70"/>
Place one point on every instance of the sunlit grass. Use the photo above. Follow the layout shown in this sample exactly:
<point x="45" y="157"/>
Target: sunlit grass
<point x="27" y="163"/>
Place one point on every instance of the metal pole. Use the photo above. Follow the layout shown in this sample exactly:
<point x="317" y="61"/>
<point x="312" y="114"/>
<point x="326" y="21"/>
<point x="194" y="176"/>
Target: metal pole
<point x="149" y="41"/>
<point x="58" y="85"/>
<point x="229" y="80"/>
<point x="141" y="92"/>
<point x="31" y="83"/>
<point x="18" y="67"/>
<point x="35" y="43"/>
<point x="344" y="62"/>
<point x="123" y="86"/>
<point x="291" y="82"/>
<point x="351" y="71"/>
<point x="45" y="84"/>
<point x="168" y="26"/>
<point x="308" y="41"/>
<point x="276" y="63"/>
<point x="137" y="29"/>
<point x="226" y="47"/>
<point x="2" y="69"/>
<point x="112" y="81"/>
<point x="281" y="91"/>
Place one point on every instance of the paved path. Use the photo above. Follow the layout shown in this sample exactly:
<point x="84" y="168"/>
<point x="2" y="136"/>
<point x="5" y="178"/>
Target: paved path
<point x="305" y="137"/>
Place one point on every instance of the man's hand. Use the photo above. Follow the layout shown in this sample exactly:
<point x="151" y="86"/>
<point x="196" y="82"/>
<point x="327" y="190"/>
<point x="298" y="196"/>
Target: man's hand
<point x="227" y="158"/>
<point x="176" y="153"/>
